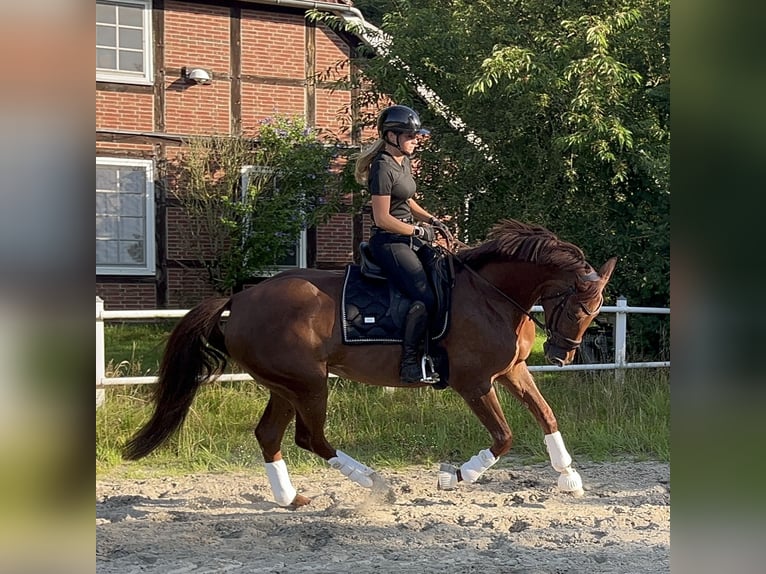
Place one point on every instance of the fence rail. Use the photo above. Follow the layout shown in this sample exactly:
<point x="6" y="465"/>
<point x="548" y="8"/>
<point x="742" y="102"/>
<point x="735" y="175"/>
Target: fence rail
<point x="620" y="364"/>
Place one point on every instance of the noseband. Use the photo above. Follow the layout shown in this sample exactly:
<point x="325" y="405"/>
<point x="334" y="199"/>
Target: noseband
<point x="554" y="337"/>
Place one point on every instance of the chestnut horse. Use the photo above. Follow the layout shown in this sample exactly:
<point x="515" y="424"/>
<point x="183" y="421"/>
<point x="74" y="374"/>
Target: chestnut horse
<point x="286" y="333"/>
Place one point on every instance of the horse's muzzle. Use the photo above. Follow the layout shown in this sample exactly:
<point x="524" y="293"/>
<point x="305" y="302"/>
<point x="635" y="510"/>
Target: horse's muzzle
<point x="556" y="355"/>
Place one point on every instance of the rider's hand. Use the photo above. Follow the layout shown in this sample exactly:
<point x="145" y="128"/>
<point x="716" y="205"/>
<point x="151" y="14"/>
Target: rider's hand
<point x="439" y="224"/>
<point x="425" y="232"/>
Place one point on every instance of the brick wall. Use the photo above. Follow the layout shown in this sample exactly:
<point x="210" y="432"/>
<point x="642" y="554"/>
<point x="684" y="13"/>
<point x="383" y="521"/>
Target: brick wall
<point x="187" y="287"/>
<point x="334" y="241"/>
<point x="330" y="50"/>
<point x="118" y="110"/>
<point x="273" y="45"/>
<point x="261" y="101"/>
<point x="273" y="79"/>
<point x="197" y="36"/>
<point x="127" y="295"/>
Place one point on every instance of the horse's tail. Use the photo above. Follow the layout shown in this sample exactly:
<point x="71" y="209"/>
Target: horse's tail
<point x="195" y="353"/>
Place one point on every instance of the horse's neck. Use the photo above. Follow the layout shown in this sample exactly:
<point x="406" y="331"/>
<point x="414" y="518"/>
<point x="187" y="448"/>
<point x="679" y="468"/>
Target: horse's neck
<point x="518" y="280"/>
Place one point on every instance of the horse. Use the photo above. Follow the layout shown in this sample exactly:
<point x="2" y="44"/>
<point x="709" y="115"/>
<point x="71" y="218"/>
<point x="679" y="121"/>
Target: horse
<point x="285" y="333"/>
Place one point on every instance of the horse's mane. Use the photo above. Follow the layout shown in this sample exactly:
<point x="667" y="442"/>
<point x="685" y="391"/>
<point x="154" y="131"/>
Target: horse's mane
<point x="513" y="240"/>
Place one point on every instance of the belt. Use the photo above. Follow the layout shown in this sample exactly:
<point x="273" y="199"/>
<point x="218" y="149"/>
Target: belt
<point x="375" y="228"/>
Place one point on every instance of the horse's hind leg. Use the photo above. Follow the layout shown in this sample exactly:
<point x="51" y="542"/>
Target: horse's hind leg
<point x="307" y="402"/>
<point x="309" y="434"/>
<point x="310" y="402"/>
<point x="269" y="433"/>
<point x="520" y="383"/>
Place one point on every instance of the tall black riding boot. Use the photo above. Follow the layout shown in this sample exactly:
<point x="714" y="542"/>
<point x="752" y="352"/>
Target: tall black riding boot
<point x="415" y="327"/>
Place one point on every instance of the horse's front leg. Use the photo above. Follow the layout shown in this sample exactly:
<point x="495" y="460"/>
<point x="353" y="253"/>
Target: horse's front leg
<point x="521" y="384"/>
<point x="483" y="402"/>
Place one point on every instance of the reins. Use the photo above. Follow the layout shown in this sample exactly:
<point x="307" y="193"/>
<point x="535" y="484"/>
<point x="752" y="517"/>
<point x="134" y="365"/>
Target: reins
<point x="503" y="295"/>
<point x="453" y="242"/>
<point x="562" y="341"/>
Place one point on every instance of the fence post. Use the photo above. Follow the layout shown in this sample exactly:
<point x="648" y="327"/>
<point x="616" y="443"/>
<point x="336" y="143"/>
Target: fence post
<point x="620" y="339"/>
<point x="100" y="362"/>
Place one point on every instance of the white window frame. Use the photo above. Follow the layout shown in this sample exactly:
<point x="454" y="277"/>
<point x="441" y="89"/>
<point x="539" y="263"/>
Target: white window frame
<point x="300" y="244"/>
<point x="147" y="77"/>
<point x="149" y="240"/>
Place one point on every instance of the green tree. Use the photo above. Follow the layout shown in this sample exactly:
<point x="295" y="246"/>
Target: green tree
<point x="570" y="102"/>
<point x="248" y="198"/>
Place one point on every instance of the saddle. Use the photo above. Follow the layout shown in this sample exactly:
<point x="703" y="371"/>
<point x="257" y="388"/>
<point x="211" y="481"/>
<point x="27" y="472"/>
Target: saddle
<point x="373" y="310"/>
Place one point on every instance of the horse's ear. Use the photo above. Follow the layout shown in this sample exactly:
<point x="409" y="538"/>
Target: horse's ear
<point x="606" y="269"/>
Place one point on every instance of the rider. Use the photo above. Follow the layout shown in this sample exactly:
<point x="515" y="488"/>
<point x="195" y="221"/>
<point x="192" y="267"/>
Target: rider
<point x="400" y="225"/>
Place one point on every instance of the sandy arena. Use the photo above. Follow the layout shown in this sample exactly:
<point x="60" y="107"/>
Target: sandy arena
<point x="512" y="521"/>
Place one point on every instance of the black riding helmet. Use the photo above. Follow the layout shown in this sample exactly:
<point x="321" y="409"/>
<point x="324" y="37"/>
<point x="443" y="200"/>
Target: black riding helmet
<point x="400" y="120"/>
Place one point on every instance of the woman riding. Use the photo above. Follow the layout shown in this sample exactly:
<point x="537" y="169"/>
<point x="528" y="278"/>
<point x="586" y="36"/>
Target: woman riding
<point x="400" y="225"/>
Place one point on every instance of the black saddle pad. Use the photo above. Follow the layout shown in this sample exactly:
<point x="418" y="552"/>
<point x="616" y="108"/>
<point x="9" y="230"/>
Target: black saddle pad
<point x="372" y="311"/>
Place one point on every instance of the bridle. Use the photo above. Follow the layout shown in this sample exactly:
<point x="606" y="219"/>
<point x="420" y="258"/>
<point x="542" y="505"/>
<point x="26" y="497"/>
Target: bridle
<point x="554" y="337"/>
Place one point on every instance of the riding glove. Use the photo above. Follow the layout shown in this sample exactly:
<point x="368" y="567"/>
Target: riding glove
<point x="439" y="224"/>
<point x="424" y="232"/>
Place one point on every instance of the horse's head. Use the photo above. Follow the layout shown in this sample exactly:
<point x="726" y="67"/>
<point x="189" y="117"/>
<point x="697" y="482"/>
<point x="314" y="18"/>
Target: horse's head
<point x="569" y="310"/>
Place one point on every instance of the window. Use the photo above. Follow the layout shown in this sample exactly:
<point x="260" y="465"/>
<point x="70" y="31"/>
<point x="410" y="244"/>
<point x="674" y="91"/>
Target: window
<point x="124" y="217"/>
<point x="123" y="41"/>
<point x="297" y="256"/>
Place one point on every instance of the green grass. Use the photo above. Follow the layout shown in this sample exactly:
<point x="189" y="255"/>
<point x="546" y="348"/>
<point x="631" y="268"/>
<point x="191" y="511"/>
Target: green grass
<point x="599" y="418"/>
<point x="134" y="349"/>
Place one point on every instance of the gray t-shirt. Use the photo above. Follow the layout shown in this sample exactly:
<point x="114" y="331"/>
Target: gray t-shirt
<point x="387" y="177"/>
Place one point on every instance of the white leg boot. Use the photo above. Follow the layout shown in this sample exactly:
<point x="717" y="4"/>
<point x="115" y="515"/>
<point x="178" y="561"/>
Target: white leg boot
<point x="569" y="479"/>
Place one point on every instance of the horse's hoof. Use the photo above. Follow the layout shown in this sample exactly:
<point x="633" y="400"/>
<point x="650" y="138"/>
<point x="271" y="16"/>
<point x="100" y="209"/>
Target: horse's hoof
<point x="447" y="477"/>
<point x="299" y="501"/>
<point x="571" y="482"/>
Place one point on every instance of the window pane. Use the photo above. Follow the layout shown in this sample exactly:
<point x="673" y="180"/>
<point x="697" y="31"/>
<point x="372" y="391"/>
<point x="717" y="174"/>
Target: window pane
<point x="131" y="228"/>
<point x="130" y="38"/>
<point x="106" y="252"/>
<point x="123" y="232"/>
<point x="106" y="36"/>
<point x="101" y="203"/>
<point x="132" y="252"/>
<point x="132" y="205"/>
<point x="106" y="13"/>
<point x="107" y="203"/>
<point x="106" y="59"/>
<point x="132" y="180"/>
<point x="106" y="178"/>
<point x="106" y="227"/>
<point x="289" y="259"/>
<point x="131" y="61"/>
<point x="131" y="16"/>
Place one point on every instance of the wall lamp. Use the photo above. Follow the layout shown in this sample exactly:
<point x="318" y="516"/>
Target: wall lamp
<point x="196" y="75"/>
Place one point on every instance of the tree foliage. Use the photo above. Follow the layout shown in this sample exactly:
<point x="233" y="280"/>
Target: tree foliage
<point x="570" y="101"/>
<point x="570" y="105"/>
<point x="247" y="198"/>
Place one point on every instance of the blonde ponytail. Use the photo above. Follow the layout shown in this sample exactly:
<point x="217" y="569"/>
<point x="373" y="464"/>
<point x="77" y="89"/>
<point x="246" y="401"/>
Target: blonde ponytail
<point x="362" y="169"/>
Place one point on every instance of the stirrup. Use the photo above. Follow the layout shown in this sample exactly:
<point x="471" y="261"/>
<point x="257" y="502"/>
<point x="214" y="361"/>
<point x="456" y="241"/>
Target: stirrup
<point x="427" y="371"/>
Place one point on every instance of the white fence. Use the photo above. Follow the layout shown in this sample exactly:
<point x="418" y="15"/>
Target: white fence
<point x="620" y="364"/>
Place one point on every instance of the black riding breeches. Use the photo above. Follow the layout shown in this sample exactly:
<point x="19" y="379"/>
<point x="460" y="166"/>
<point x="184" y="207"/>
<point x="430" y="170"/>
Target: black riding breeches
<point x="395" y="255"/>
